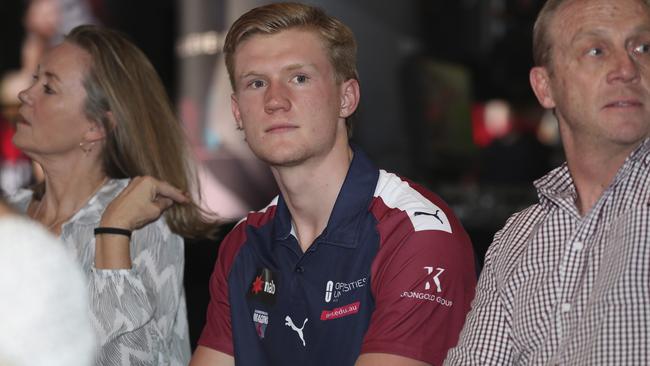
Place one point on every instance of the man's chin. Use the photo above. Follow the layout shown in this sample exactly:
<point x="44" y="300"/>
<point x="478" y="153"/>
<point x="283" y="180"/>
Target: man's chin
<point x="631" y="133"/>
<point x="283" y="163"/>
<point x="284" y="159"/>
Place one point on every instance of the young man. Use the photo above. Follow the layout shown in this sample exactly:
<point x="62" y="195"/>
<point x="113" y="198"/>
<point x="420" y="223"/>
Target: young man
<point x="566" y="281"/>
<point x="350" y="263"/>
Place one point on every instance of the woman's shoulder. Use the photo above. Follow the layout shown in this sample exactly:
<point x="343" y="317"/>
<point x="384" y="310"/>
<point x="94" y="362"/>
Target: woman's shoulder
<point x="91" y="212"/>
<point x="107" y="192"/>
<point x="113" y="187"/>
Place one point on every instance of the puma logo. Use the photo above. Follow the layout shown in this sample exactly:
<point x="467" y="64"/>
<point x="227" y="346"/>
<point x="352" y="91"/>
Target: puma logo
<point x="289" y="323"/>
<point x="418" y="213"/>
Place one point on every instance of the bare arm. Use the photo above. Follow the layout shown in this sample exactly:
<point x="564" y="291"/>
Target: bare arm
<point x="204" y="356"/>
<point x="385" y="359"/>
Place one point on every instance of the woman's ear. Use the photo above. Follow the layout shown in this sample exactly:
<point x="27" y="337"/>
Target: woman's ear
<point x="96" y="131"/>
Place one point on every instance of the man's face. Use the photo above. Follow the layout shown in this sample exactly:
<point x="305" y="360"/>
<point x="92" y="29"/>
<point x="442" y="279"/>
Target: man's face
<point x="287" y="99"/>
<point x="598" y="78"/>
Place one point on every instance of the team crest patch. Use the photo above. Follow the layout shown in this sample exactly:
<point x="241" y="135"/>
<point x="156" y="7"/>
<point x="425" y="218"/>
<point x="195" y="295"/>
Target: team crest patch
<point x="261" y="321"/>
<point x="263" y="287"/>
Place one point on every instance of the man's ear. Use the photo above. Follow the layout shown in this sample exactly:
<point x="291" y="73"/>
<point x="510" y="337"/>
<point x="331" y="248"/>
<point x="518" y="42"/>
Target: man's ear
<point x="541" y="84"/>
<point x="350" y="95"/>
<point x="234" y="105"/>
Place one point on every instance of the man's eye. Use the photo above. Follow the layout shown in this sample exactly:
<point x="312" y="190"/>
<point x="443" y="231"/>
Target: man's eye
<point x="642" y="48"/>
<point x="300" y="79"/>
<point x="47" y="89"/>
<point x="255" y="84"/>
<point x="595" y="51"/>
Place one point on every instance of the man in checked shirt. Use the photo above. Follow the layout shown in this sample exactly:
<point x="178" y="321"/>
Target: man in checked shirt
<point x="567" y="281"/>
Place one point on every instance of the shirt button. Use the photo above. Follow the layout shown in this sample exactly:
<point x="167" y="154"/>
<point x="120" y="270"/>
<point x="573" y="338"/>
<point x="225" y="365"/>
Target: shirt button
<point x="577" y="246"/>
<point x="300" y="269"/>
<point x="566" y="307"/>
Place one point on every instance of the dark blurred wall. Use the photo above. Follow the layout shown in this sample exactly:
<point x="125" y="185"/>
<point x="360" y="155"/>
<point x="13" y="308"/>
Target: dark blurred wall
<point x="386" y="35"/>
<point x="152" y="25"/>
<point x="11" y="34"/>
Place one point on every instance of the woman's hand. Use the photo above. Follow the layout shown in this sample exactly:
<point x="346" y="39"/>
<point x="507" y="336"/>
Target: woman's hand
<point x="141" y="202"/>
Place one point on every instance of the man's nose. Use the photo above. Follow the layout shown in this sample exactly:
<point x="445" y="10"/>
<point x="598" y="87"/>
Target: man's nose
<point x="625" y="68"/>
<point x="276" y="98"/>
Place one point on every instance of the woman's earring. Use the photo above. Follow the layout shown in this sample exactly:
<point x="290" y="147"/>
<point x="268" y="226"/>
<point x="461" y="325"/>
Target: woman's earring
<point x="86" y="147"/>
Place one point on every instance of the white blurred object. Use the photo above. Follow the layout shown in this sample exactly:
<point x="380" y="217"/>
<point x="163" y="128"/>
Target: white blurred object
<point x="14" y="175"/>
<point x="44" y="316"/>
<point x="498" y="118"/>
<point x="548" y="132"/>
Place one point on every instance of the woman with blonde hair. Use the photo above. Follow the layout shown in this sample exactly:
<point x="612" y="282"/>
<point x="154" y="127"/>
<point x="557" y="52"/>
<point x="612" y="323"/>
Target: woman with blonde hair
<point x="115" y="158"/>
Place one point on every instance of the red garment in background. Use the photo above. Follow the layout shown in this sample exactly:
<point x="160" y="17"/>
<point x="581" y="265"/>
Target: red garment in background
<point x="8" y="151"/>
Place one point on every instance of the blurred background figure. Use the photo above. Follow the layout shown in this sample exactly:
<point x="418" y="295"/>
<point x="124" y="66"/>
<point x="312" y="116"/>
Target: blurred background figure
<point x="44" y="317"/>
<point x="45" y="22"/>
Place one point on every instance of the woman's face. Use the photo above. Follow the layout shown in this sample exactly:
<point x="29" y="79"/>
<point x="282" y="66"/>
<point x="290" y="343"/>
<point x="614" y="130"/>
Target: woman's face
<point x="52" y="121"/>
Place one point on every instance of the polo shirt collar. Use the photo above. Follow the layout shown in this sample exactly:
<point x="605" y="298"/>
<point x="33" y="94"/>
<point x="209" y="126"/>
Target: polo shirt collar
<point x="350" y="207"/>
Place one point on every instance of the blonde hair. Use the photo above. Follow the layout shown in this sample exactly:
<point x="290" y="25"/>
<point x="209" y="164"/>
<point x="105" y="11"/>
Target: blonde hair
<point x="269" y="19"/>
<point x="144" y="136"/>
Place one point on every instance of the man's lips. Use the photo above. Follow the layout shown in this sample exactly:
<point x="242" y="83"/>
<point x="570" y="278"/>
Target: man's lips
<point x="624" y="103"/>
<point x="280" y="127"/>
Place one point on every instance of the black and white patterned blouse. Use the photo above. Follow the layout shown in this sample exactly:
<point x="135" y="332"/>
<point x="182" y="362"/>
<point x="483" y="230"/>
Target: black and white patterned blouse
<point x="139" y="314"/>
<point x="558" y="288"/>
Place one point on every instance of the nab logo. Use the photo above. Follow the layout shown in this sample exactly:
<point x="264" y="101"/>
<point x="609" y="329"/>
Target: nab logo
<point x="263" y="286"/>
<point x="259" y="285"/>
<point x="436" y="280"/>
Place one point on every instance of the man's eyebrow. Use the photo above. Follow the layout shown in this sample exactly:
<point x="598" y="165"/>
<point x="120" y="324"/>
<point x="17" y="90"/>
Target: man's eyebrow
<point x="297" y="66"/>
<point x="291" y="67"/>
<point x="602" y="32"/>
<point x="588" y="34"/>
<point x="249" y="74"/>
<point x="643" y="28"/>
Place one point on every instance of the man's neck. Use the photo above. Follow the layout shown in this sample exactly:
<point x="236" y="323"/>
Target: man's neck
<point x="310" y="191"/>
<point x="593" y="168"/>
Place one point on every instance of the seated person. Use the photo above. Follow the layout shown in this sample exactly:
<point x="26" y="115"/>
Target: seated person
<point x="350" y="263"/>
<point x="97" y="120"/>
